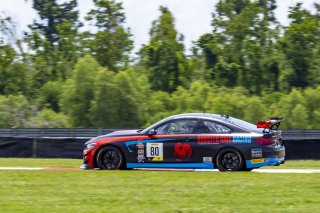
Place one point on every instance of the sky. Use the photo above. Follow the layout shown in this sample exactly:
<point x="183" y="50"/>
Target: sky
<point x="193" y="17"/>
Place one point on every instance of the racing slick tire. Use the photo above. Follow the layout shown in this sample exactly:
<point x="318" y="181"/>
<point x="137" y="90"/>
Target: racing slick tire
<point x="110" y="158"/>
<point x="229" y="160"/>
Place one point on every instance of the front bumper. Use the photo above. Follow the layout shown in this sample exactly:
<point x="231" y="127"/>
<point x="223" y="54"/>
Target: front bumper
<point x="88" y="155"/>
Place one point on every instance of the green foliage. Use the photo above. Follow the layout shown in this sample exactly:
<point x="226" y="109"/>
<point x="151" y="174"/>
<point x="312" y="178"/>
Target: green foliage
<point x="241" y="49"/>
<point x="164" y="56"/>
<point x="298" y="44"/>
<point x="7" y="29"/>
<point x="50" y="95"/>
<point x="248" y="66"/>
<point x="52" y="15"/>
<point x="96" y="97"/>
<point x="15" y="111"/>
<point x="111" y="45"/>
<point x="54" y="40"/>
<point x="78" y="91"/>
<point x="103" y="106"/>
<point x="48" y="118"/>
<point x="120" y="100"/>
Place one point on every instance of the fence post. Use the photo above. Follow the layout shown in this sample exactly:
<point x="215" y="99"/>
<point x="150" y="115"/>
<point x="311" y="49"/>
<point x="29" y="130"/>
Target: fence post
<point x="34" y="147"/>
<point x="72" y="133"/>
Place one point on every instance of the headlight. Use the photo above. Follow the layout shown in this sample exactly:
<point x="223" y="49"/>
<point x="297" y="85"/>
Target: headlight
<point x="90" y="145"/>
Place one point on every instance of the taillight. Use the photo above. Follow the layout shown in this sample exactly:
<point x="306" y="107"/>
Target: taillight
<point x="265" y="141"/>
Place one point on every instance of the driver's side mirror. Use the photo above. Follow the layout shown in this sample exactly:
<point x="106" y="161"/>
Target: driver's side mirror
<point x="152" y="132"/>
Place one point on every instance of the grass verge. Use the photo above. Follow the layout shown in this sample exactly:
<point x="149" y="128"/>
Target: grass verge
<point x="157" y="191"/>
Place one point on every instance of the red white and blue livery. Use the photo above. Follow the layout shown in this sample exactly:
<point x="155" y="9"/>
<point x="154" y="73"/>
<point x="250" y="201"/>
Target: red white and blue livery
<point x="190" y="141"/>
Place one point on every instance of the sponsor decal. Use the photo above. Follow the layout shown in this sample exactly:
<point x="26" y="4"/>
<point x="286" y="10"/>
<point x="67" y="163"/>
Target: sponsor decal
<point x="182" y="152"/>
<point x="241" y="139"/>
<point x="140" y="156"/>
<point x="155" y="151"/>
<point x="207" y="159"/>
<point x="131" y="145"/>
<point x="258" y="160"/>
<point x="256" y="153"/>
<point x="140" y="145"/>
<point x="213" y="139"/>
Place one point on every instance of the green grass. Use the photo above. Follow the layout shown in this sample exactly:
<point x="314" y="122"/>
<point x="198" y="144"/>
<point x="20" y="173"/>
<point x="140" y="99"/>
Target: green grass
<point x="297" y="164"/>
<point x="158" y="191"/>
<point x="40" y="162"/>
<point x="75" y="163"/>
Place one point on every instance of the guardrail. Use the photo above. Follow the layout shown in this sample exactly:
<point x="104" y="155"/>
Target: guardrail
<point x="54" y="132"/>
<point x="301" y="134"/>
<point x="91" y="132"/>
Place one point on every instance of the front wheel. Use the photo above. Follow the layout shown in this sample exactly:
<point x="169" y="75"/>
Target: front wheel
<point x="110" y="158"/>
<point x="229" y="160"/>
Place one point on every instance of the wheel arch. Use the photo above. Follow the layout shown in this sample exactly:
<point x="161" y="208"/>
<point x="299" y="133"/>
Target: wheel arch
<point x="103" y="146"/>
<point x="228" y="147"/>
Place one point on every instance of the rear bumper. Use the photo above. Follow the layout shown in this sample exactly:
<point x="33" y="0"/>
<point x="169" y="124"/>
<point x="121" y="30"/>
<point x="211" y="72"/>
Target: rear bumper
<point x="271" y="157"/>
<point x="256" y="163"/>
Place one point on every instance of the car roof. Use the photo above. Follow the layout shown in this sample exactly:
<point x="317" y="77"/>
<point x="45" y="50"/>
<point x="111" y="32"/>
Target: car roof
<point x="223" y="118"/>
<point x="200" y="115"/>
<point x="217" y="117"/>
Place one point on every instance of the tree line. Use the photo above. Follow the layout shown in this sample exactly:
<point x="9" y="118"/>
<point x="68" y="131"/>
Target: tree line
<point x="249" y="66"/>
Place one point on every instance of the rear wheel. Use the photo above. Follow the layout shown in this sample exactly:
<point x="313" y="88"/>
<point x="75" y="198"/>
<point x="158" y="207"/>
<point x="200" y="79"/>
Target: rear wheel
<point x="110" y="158"/>
<point x="229" y="160"/>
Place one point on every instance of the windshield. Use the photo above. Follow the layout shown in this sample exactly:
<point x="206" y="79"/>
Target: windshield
<point x="153" y="126"/>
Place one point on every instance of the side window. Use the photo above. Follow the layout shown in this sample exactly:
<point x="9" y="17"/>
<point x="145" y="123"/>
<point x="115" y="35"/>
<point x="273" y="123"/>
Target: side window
<point x="177" y="127"/>
<point x="210" y="127"/>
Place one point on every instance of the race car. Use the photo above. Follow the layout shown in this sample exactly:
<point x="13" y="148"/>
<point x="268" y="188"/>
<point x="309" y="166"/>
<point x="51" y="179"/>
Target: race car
<point x="190" y="141"/>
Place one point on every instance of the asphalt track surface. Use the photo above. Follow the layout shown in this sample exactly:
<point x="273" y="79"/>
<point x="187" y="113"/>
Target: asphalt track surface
<point x="286" y="171"/>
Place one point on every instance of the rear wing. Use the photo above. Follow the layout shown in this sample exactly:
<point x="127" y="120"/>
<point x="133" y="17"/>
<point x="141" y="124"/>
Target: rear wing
<point x="272" y="124"/>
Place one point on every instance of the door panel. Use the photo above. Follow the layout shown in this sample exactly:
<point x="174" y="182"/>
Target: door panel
<point x="169" y="148"/>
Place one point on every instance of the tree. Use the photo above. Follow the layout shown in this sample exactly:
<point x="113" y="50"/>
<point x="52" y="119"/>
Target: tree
<point x="164" y="56"/>
<point x="54" y="40"/>
<point x="103" y="109"/>
<point x="312" y="97"/>
<point x="7" y="29"/>
<point x="79" y="92"/>
<point x="47" y="118"/>
<point x="13" y="73"/>
<point x="241" y="50"/>
<point x="50" y="95"/>
<point x="14" y="79"/>
<point x="121" y="100"/>
<point x="299" y="43"/>
<point x="15" y="110"/>
<point x="111" y="45"/>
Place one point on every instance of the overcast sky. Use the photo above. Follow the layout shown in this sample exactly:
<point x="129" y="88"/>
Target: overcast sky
<point x="192" y="17"/>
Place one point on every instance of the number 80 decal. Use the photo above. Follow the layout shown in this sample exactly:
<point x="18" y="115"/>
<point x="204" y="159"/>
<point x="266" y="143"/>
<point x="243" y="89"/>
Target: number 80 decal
<point x="155" y="151"/>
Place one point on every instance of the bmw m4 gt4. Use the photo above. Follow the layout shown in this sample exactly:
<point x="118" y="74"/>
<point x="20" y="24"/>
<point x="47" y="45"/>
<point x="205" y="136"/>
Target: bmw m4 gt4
<point x="193" y="141"/>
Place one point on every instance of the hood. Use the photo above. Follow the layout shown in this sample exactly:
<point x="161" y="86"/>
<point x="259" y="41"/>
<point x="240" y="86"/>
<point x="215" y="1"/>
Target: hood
<point x="124" y="133"/>
<point x="115" y="134"/>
